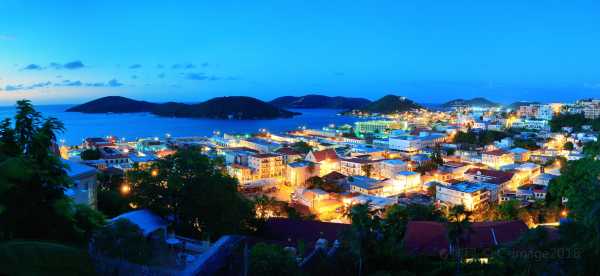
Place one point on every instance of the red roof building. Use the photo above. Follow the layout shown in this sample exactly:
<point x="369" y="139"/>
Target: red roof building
<point x="500" y="178"/>
<point x="493" y="233"/>
<point x="428" y="238"/>
<point x="289" y="232"/>
<point x="322" y="155"/>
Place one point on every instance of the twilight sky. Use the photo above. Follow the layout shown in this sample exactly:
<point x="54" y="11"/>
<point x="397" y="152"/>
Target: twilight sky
<point x="431" y="51"/>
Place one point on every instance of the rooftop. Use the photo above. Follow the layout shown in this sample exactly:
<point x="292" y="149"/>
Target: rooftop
<point x="366" y="182"/>
<point x="466" y="187"/>
<point x="498" y="152"/>
<point x="145" y="219"/>
<point x="495" y="177"/>
<point x="75" y="169"/>
<point x="300" y="164"/>
<point x="287" y="151"/>
<point x="327" y="154"/>
<point x="265" y="155"/>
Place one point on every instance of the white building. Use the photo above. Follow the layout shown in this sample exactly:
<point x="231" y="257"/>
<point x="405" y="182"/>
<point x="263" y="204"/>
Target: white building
<point x="298" y="172"/>
<point x="470" y="195"/>
<point x="497" y="158"/>
<point x="390" y="168"/>
<point x="85" y="183"/>
<point x="357" y="166"/>
<point x="412" y="143"/>
<point x="407" y="182"/>
<point x="267" y="165"/>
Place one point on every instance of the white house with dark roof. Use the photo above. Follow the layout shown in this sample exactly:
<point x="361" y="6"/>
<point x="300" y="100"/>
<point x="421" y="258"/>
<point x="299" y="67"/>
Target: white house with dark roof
<point x="85" y="183"/>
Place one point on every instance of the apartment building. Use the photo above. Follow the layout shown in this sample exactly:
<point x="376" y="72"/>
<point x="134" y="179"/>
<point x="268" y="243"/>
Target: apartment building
<point x="497" y="158"/>
<point x="267" y="165"/>
<point x="470" y="195"/>
<point x="297" y="173"/>
<point x="358" y="166"/>
<point x="414" y="143"/>
<point x="327" y="159"/>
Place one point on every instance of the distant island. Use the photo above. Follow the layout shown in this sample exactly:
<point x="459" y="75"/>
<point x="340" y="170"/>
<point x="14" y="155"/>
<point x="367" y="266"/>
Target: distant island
<point x="389" y="104"/>
<point x="234" y="107"/>
<point x="319" y="101"/>
<point x="479" y="101"/>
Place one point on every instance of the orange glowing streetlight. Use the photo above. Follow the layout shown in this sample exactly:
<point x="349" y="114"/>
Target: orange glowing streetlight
<point x="154" y="173"/>
<point x="564" y="213"/>
<point x="125" y="189"/>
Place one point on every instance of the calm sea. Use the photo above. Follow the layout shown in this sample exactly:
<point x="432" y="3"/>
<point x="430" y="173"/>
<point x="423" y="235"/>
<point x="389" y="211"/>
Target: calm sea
<point x="138" y="125"/>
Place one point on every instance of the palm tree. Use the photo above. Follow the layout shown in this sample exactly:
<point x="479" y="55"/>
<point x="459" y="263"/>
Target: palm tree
<point x="458" y="226"/>
<point x="362" y="227"/>
<point x="264" y="204"/>
<point x="367" y="169"/>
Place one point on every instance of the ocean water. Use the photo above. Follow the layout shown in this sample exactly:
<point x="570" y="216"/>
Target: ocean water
<point x="138" y="125"/>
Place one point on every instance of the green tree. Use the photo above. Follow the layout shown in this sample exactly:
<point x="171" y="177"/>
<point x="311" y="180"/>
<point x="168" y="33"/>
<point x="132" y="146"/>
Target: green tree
<point x="361" y="234"/>
<point x="90" y="154"/>
<point x="33" y="180"/>
<point x="315" y="182"/>
<point x="266" y="207"/>
<point x="436" y="156"/>
<point x="122" y="240"/>
<point x="458" y="226"/>
<point x="426" y="166"/>
<point x="187" y="188"/>
<point x="529" y="144"/>
<point x="367" y="169"/>
<point x="270" y="259"/>
<point x="113" y="196"/>
<point x="578" y="183"/>
<point x="509" y="210"/>
<point x="302" y="147"/>
<point x="568" y="120"/>
<point x="569" y="146"/>
<point x="592" y="149"/>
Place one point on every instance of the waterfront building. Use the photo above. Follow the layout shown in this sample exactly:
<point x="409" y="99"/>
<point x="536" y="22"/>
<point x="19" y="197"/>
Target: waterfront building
<point x="378" y="126"/>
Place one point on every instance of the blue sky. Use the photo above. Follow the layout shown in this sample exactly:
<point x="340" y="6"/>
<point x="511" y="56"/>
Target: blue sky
<point x="431" y="51"/>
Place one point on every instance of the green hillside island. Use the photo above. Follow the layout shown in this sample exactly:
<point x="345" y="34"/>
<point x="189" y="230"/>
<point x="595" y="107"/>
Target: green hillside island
<point x="319" y="101"/>
<point x="235" y="107"/>
<point x="516" y="105"/>
<point x="479" y="101"/>
<point x="387" y="105"/>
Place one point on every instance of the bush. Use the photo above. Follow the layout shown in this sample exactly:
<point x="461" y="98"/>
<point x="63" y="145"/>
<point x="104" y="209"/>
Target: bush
<point x="90" y="154"/>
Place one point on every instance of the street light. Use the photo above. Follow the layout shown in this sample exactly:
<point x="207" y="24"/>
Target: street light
<point x="154" y="172"/>
<point x="125" y="189"/>
<point x="564" y="213"/>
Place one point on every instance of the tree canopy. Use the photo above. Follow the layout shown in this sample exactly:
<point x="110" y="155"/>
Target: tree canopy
<point x="190" y="191"/>
<point x="33" y="204"/>
<point x="302" y="147"/>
